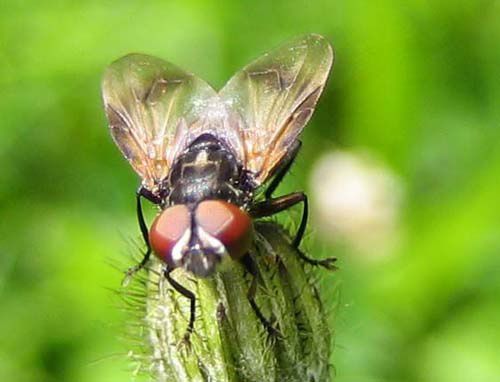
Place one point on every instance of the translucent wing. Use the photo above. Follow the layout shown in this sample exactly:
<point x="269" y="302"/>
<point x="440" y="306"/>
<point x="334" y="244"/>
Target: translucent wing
<point x="274" y="97"/>
<point x="153" y="108"/>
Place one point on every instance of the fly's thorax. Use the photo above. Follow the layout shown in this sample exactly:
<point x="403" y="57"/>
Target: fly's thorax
<point x="198" y="237"/>
<point x="206" y="170"/>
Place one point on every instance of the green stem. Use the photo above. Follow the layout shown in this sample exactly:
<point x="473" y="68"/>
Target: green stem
<point x="229" y="342"/>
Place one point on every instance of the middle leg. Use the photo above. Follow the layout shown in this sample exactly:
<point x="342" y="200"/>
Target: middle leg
<point x="275" y="205"/>
<point x="251" y="268"/>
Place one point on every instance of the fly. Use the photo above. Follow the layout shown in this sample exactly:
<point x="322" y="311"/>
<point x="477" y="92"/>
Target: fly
<point x="204" y="156"/>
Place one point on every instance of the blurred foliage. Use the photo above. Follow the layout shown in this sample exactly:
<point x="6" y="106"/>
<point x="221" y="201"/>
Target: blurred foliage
<point x="417" y="83"/>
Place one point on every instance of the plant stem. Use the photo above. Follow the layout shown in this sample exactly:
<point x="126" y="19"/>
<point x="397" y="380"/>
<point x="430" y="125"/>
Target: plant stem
<point x="229" y="342"/>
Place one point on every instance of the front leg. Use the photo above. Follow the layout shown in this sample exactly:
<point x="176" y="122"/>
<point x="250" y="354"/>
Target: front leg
<point x="275" y="205"/>
<point x="192" y="299"/>
<point x="141" y="192"/>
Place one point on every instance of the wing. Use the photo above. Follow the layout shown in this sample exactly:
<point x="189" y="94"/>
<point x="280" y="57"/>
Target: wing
<point x="151" y="106"/>
<point x="274" y="97"/>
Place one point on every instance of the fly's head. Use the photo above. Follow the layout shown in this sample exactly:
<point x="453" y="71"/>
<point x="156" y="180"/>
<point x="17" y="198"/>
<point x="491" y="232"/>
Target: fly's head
<point x="199" y="237"/>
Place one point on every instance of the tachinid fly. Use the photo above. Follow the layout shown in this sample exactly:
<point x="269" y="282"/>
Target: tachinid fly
<point x="204" y="156"/>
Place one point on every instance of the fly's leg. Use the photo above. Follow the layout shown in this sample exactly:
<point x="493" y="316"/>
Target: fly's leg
<point x="283" y="168"/>
<point x="272" y="205"/>
<point x="275" y="205"/>
<point x="252" y="291"/>
<point x="192" y="299"/>
<point x="141" y="192"/>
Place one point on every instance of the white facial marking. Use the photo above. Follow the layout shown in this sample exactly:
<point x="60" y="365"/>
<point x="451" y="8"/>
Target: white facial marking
<point x="208" y="241"/>
<point x="180" y="245"/>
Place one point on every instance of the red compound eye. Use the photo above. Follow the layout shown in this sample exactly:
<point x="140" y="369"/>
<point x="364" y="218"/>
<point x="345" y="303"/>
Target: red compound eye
<point x="167" y="229"/>
<point x="227" y="223"/>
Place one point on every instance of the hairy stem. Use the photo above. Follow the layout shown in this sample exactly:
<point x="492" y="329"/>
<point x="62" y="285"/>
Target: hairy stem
<point x="229" y="342"/>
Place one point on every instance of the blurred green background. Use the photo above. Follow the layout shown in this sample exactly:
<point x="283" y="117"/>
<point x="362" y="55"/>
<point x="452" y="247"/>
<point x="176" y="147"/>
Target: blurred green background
<point x="416" y="83"/>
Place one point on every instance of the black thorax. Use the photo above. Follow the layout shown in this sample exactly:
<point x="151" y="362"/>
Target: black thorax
<point x="206" y="170"/>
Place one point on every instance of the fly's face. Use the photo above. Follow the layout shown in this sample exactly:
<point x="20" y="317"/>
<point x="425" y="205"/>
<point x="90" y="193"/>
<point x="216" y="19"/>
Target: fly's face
<point x="200" y="236"/>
